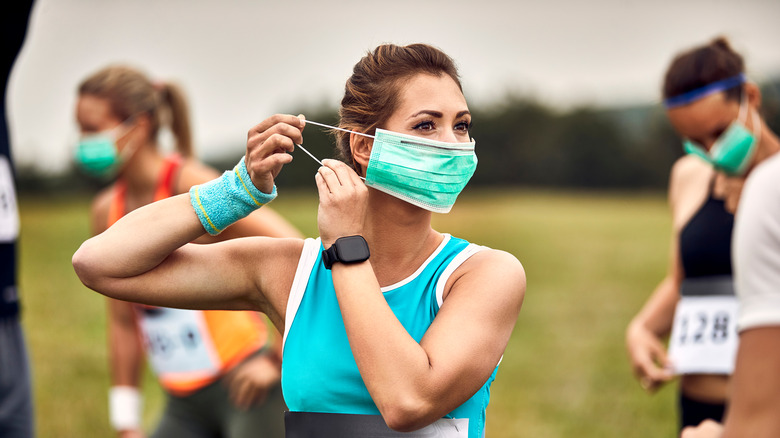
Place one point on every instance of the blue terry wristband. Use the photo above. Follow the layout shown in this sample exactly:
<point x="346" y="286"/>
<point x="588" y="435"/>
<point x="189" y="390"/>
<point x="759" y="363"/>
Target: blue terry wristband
<point x="227" y="199"/>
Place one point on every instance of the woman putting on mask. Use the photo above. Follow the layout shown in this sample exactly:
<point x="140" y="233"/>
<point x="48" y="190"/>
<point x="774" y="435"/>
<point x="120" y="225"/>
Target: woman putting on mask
<point x="218" y="368"/>
<point x="714" y="108"/>
<point x="387" y="322"/>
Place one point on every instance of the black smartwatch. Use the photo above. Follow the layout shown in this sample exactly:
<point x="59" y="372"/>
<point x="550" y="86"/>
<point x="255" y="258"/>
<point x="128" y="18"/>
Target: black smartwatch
<point x="350" y="249"/>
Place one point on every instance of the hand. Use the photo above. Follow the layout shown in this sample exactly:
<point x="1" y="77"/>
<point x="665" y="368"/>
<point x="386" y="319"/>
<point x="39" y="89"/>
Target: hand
<point x="131" y="433"/>
<point x="707" y="429"/>
<point x="343" y="201"/>
<point x="648" y="358"/>
<point x="250" y="382"/>
<point x="267" y="146"/>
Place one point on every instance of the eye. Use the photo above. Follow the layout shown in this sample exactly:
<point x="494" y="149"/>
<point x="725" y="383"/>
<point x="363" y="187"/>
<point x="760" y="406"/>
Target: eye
<point x="426" y="125"/>
<point x="463" y="126"/>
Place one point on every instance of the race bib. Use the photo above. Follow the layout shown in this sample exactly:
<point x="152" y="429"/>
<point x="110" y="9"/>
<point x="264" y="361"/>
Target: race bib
<point x="175" y="342"/>
<point x="704" y="335"/>
<point x="9" y="216"/>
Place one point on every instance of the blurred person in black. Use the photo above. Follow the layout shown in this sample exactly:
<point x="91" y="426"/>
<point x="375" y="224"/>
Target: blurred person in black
<point x="16" y="410"/>
<point x="695" y="302"/>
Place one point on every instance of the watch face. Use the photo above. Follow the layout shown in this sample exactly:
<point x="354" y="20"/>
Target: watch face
<point x="352" y="249"/>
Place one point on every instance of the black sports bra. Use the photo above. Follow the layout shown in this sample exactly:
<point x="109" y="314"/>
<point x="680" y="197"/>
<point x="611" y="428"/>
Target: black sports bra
<point x="705" y="241"/>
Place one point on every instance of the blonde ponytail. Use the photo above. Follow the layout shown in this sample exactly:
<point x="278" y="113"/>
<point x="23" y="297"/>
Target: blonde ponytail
<point x="173" y="97"/>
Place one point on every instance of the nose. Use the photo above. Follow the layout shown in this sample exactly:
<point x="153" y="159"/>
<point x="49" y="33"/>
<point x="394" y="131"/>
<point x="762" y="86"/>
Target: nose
<point x="449" y="136"/>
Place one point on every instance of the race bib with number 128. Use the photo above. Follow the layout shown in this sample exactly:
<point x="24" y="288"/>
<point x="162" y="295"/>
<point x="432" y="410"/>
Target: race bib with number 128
<point x="704" y="335"/>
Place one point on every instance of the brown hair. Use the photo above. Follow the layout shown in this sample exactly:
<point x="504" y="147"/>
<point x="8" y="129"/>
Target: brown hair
<point x="130" y="93"/>
<point x="371" y="93"/>
<point x="704" y="65"/>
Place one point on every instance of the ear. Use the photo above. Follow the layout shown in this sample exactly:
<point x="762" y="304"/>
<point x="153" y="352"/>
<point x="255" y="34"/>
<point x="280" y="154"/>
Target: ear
<point x="141" y="127"/>
<point x="361" y="151"/>
<point x="753" y="94"/>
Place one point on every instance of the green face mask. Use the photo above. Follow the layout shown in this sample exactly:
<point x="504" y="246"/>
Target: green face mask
<point x="426" y="173"/>
<point x="733" y="150"/>
<point x="96" y="154"/>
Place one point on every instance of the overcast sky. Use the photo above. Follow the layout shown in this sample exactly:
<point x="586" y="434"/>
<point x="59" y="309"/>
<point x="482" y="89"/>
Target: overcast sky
<point x="242" y="60"/>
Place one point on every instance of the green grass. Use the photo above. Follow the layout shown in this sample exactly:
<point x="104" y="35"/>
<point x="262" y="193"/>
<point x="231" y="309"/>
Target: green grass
<point x="591" y="260"/>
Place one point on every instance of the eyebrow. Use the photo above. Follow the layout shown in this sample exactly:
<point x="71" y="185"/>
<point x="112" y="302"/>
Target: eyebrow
<point x="438" y="114"/>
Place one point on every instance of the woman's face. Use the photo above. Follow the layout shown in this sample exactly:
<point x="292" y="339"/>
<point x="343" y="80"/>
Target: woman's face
<point x="704" y="120"/>
<point x="93" y="114"/>
<point x="432" y="107"/>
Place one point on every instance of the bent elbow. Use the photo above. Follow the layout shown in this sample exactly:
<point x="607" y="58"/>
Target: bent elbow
<point x="407" y="414"/>
<point x="85" y="266"/>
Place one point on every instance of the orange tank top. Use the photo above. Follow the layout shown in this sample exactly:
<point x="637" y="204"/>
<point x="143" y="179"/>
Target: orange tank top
<point x="189" y="349"/>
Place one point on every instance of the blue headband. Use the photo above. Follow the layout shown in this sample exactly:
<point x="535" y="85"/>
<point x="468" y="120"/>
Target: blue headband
<point x="715" y="87"/>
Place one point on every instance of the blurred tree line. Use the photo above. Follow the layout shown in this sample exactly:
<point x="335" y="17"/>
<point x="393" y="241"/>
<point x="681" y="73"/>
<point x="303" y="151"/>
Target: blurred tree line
<point x="520" y="142"/>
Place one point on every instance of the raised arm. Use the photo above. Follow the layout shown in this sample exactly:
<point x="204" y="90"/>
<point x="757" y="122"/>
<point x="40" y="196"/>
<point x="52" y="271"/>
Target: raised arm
<point x="145" y="257"/>
<point x="414" y="384"/>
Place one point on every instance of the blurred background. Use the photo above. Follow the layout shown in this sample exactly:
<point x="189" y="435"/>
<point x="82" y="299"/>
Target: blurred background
<point x="574" y="152"/>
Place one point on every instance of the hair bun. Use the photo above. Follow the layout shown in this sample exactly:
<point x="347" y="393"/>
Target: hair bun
<point x="722" y="42"/>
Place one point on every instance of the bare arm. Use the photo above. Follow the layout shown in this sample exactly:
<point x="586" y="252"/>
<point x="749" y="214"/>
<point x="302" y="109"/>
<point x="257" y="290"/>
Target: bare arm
<point x="414" y="384"/>
<point x="644" y="336"/>
<point x="755" y="400"/>
<point x="755" y="396"/>
<point x="125" y="352"/>
<point x="145" y="257"/>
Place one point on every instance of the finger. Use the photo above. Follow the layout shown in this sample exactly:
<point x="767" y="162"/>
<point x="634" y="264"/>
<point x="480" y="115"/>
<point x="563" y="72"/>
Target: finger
<point x="244" y="395"/>
<point x="278" y="137"/>
<point x="251" y="393"/>
<point x="276" y="119"/>
<point x="345" y="174"/>
<point x="322" y="187"/>
<point x="646" y="383"/>
<point x="661" y="369"/>
<point x="330" y="178"/>
<point x="257" y="163"/>
<point x="236" y="391"/>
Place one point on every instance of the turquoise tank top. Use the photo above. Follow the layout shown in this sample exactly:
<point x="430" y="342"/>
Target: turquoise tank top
<point x="319" y="373"/>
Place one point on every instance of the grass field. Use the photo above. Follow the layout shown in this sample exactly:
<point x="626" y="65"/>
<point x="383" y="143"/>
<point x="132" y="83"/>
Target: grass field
<point x="590" y="259"/>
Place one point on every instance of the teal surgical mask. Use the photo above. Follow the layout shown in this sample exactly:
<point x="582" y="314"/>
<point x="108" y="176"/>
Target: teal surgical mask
<point x="427" y="173"/>
<point x="97" y="154"/>
<point x="734" y="149"/>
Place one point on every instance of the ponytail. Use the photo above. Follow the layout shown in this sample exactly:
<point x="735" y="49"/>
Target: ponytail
<point x="172" y="96"/>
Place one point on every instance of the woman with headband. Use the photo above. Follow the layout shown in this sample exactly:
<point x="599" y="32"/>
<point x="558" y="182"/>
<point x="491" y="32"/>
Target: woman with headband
<point x="755" y="394"/>
<point x="713" y="107"/>
<point x="388" y="323"/>
<point x="219" y="370"/>
<point x="725" y="129"/>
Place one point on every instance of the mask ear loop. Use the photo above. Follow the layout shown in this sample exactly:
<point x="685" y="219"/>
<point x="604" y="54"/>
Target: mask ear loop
<point x="331" y="127"/>
<point x="757" y="127"/>
<point x="743" y="108"/>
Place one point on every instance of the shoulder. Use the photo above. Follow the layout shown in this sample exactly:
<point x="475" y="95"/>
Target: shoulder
<point x="193" y="172"/>
<point x="689" y="185"/>
<point x="688" y="172"/>
<point x="493" y="271"/>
